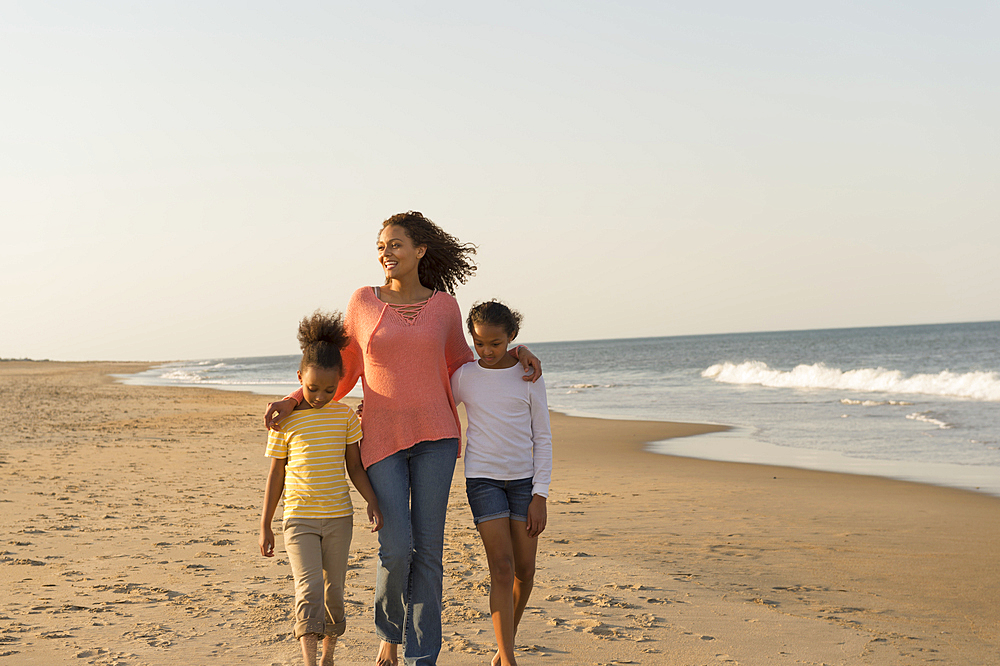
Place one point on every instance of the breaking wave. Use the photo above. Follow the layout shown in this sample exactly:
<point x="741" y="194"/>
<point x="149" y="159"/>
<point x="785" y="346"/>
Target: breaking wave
<point x="926" y="417"/>
<point x="873" y="403"/>
<point x="975" y="385"/>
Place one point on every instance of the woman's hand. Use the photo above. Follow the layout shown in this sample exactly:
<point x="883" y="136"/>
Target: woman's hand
<point x="537" y="516"/>
<point x="529" y="362"/>
<point x="276" y="411"/>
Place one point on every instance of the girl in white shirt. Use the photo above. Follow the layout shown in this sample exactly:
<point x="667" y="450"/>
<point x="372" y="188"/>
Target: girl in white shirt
<point x="508" y="464"/>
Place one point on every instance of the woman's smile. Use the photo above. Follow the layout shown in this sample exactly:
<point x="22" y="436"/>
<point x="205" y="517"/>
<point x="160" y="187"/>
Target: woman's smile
<point x="397" y="253"/>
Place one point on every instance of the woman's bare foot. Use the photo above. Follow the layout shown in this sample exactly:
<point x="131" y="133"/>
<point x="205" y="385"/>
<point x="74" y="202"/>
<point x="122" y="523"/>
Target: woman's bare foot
<point x="387" y="654"/>
<point x="496" y="659"/>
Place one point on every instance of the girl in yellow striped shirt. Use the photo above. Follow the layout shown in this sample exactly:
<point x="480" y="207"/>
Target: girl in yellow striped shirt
<point x="308" y="456"/>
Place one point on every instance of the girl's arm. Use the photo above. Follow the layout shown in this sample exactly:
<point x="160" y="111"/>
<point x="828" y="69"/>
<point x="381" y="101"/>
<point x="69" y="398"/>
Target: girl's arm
<point x="355" y="470"/>
<point x="537" y="516"/>
<point x="541" y="439"/>
<point x="272" y="493"/>
<point x="456" y="387"/>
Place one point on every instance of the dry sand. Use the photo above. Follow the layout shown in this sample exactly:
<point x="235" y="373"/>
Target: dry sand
<point x="129" y="536"/>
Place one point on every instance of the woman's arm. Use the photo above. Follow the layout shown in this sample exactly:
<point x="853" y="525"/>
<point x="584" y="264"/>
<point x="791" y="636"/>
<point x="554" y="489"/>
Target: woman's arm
<point x="272" y="493"/>
<point x="279" y="409"/>
<point x="353" y="361"/>
<point x="359" y="477"/>
<point x="456" y="349"/>
<point x="353" y="365"/>
<point x="528" y="362"/>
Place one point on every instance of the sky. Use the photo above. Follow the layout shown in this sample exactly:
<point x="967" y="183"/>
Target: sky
<point x="186" y="180"/>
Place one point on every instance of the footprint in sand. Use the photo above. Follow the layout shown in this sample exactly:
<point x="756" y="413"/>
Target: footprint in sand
<point x="598" y="600"/>
<point x="596" y="628"/>
<point x="644" y="620"/>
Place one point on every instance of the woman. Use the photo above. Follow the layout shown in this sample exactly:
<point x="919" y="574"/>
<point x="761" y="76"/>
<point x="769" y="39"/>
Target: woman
<point x="406" y="341"/>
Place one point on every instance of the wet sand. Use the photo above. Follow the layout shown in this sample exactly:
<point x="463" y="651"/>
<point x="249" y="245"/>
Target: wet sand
<point x="129" y="536"/>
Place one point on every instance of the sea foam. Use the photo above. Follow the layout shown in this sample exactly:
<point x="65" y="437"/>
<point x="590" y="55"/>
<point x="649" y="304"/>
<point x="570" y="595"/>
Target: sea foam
<point x="926" y="417"/>
<point x="974" y="385"/>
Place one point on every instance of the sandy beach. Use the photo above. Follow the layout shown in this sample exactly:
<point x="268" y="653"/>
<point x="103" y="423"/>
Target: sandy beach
<point x="129" y="536"/>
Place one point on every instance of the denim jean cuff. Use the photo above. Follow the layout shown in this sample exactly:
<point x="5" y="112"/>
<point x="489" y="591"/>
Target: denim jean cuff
<point x="379" y="634"/>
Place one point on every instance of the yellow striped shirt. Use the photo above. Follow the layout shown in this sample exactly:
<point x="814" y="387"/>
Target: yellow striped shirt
<point x="313" y="443"/>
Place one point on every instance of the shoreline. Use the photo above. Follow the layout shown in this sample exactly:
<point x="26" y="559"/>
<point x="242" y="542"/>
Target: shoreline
<point x="132" y="525"/>
<point x="723" y="443"/>
<point x="734" y="446"/>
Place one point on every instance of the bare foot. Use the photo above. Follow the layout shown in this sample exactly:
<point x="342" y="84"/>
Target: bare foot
<point x="496" y="659"/>
<point x="329" y="645"/>
<point x="387" y="654"/>
<point x="308" y="642"/>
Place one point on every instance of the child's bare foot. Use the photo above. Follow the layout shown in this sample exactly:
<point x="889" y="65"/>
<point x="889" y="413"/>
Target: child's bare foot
<point x="387" y="654"/>
<point x="308" y="642"/>
<point x="329" y="645"/>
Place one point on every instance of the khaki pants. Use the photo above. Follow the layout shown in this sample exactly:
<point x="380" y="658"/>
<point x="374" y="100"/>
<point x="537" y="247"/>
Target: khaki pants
<point x="317" y="550"/>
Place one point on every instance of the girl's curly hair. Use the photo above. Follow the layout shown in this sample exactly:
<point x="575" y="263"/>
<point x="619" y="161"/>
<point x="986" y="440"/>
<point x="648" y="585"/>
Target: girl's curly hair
<point x="447" y="262"/>
<point x="321" y="337"/>
<point x="494" y="313"/>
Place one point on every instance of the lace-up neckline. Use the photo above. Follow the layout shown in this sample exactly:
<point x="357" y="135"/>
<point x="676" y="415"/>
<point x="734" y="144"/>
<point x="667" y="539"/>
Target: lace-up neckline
<point x="408" y="311"/>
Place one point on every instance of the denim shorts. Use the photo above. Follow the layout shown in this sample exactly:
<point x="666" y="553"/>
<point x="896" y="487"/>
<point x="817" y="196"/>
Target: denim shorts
<point x="493" y="498"/>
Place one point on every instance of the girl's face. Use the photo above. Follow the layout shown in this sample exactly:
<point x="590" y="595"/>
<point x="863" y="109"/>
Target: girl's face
<point x="491" y="344"/>
<point x="318" y="385"/>
<point x="397" y="253"/>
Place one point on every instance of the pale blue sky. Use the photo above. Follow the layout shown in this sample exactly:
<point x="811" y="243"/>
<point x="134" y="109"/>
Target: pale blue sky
<point x="187" y="180"/>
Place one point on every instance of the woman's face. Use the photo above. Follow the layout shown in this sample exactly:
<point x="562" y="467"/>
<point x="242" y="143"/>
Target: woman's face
<point x="397" y="253"/>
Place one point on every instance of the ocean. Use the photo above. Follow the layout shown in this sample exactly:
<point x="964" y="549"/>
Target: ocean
<point x="920" y="403"/>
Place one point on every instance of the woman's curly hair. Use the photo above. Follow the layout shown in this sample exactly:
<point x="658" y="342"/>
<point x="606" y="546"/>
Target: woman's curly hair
<point x="321" y="337"/>
<point x="447" y="262"/>
<point x="494" y="313"/>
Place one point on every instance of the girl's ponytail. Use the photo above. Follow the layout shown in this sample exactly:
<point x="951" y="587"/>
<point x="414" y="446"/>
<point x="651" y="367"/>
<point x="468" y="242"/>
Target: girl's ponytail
<point x="321" y="337"/>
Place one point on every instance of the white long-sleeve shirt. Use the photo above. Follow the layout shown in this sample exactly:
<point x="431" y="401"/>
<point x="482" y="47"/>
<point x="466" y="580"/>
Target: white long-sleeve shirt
<point x="509" y="436"/>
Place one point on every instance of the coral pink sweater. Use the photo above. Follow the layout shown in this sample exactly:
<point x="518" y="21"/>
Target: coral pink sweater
<point x="405" y="371"/>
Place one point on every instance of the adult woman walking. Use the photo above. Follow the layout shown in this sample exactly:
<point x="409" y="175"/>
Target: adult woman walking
<point x="406" y="341"/>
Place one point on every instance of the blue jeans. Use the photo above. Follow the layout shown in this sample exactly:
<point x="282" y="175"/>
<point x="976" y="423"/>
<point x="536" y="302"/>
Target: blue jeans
<point x="412" y="487"/>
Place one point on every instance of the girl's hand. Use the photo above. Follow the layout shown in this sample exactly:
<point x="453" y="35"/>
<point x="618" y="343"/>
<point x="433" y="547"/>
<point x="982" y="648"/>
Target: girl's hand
<point x="276" y="411"/>
<point x="537" y="516"/>
<point x="529" y="362"/>
<point x="374" y="517"/>
<point x="266" y="541"/>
